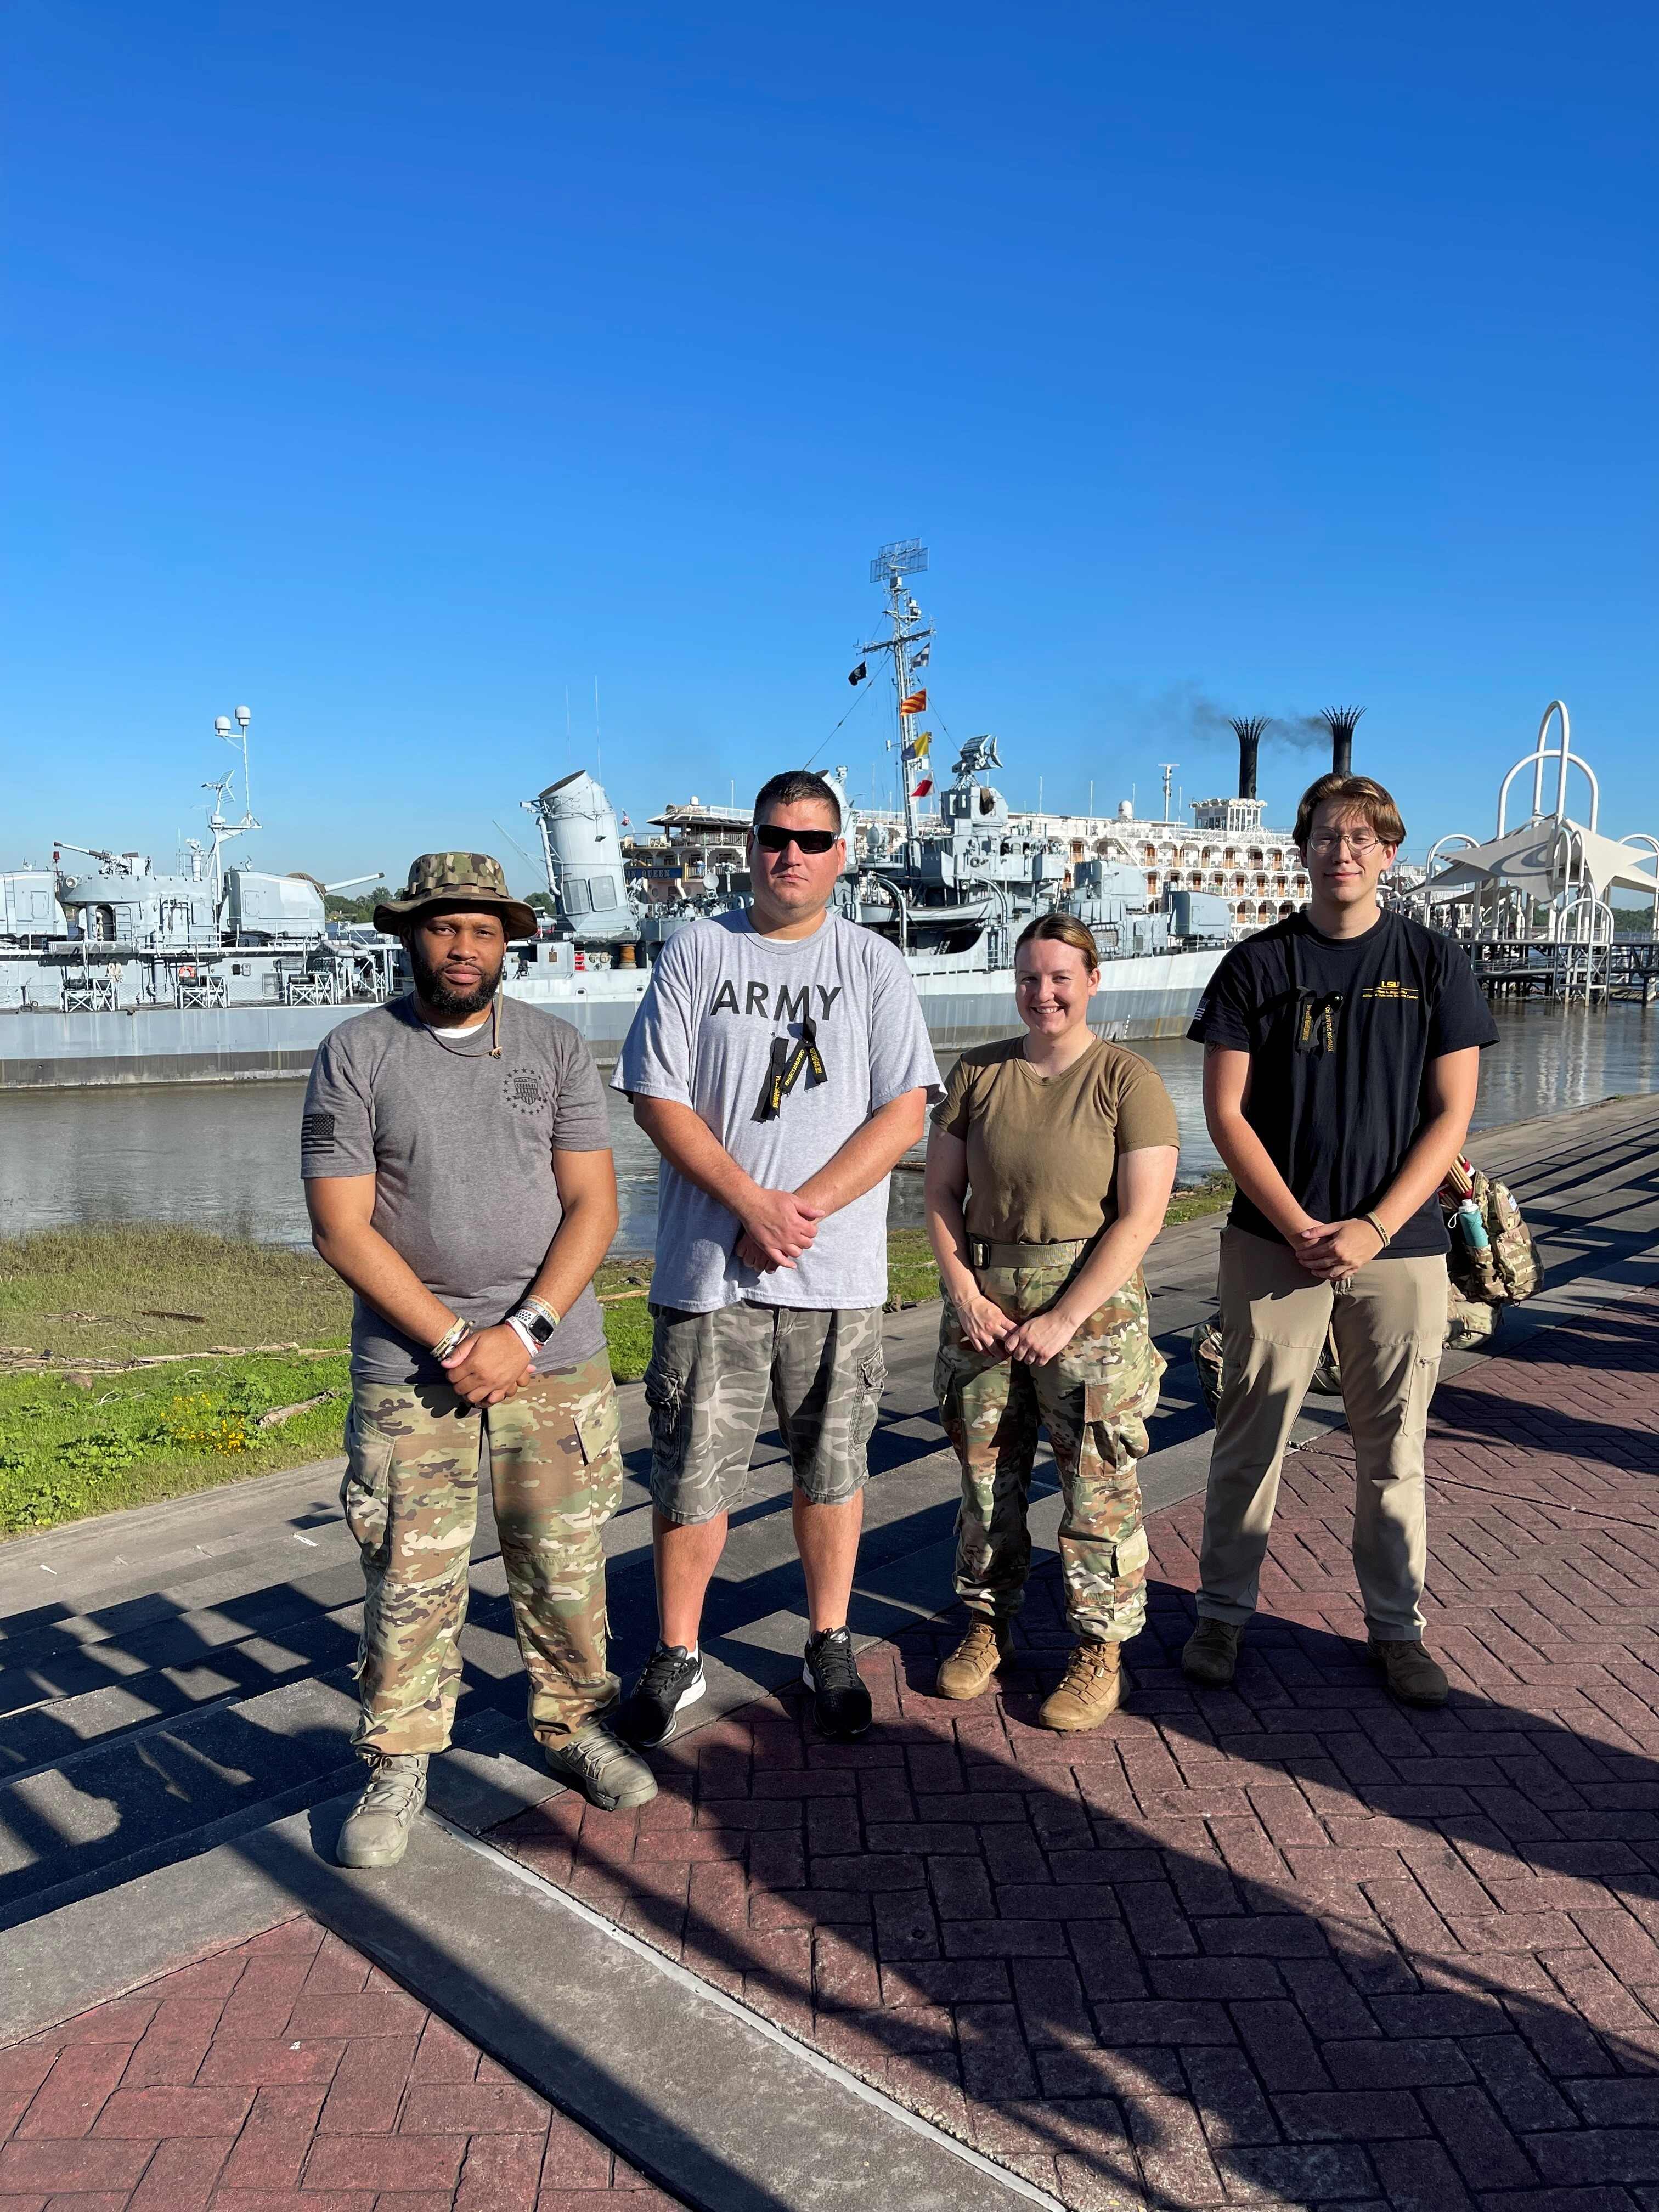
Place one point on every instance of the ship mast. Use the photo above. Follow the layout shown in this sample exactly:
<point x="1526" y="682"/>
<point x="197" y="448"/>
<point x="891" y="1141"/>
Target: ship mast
<point x="223" y="831"/>
<point x="906" y="556"/>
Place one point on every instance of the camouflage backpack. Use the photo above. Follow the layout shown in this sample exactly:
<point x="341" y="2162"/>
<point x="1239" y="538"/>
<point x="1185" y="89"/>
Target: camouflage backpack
<point x="1469" y="1321"/>
<point x="1206" y="1357"/>
<point x="1507" y="1268"/>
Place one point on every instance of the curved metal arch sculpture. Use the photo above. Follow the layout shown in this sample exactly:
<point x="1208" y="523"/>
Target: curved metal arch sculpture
<point x="1538" y="759"/>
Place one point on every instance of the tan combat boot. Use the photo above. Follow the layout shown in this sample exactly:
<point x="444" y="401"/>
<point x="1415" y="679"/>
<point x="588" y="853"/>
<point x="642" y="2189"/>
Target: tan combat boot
<point x="1090" y="1688"/>
<point x="376" y="1832"/>
<point x="967" y="1673"/>
<point x="1413" y="1676"/>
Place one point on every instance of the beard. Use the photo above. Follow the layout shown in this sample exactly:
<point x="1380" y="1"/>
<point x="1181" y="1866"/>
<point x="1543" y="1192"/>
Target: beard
<point x="432" y="990"/>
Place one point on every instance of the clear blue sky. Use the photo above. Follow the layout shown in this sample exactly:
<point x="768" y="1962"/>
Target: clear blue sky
<point x="394" y="368"/>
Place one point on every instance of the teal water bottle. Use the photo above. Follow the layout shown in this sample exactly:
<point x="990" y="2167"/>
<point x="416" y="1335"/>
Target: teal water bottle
<point x="1474" y="1228"/>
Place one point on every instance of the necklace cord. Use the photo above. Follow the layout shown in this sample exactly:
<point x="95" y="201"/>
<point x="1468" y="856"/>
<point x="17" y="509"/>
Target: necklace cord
<point x="460" y="1053"/>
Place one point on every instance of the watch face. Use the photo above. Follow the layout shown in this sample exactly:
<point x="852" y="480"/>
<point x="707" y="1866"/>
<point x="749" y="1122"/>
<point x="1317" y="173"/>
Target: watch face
<point x="539" y="1327"/>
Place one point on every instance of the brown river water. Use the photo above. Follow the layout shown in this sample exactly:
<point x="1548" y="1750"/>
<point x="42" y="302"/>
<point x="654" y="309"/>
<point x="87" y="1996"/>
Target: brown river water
<point x="224" y="1155"/>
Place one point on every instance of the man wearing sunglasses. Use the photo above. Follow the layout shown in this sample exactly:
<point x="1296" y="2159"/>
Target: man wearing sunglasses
<point x="1342" y="1051"/>
<point x="781" y="1064"/>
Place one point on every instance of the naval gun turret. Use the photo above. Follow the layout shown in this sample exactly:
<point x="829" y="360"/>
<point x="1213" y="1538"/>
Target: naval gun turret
<point x="265" y="909"/>
<point x="124" y="903"/>
<point x="29" y="912"/>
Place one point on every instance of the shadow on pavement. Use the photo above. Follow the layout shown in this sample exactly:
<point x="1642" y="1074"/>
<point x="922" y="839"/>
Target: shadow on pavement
<point x="1288" y="1941"/>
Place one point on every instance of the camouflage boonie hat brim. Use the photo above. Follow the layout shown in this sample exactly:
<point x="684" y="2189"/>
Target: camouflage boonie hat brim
<point x="469" y="879"/>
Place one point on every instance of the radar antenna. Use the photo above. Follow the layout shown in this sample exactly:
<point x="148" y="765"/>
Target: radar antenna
<point x="223" y="829"/>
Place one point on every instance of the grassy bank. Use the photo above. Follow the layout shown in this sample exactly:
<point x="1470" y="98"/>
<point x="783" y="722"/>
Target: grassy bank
<point x="244" y="1348"/>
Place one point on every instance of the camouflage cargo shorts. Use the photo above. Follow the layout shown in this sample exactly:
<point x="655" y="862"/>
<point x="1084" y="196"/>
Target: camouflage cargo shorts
<point x="707" y="1386"/>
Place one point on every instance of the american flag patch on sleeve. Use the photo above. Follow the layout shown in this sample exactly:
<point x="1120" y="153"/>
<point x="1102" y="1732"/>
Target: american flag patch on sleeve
<point x="316" y="1132"/>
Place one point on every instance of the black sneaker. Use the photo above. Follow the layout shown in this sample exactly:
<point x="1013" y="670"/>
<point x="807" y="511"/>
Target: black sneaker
<point x="840" y="1704"/>
<point x="672" y="1678"/>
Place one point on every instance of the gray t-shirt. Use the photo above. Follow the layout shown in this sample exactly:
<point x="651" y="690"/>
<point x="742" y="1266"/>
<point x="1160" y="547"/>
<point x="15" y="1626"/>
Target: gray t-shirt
<point x="718" y="996"/>
<point x="461" y="1148"/>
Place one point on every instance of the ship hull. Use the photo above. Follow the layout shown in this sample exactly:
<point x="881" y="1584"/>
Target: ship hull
<point x="1150" y="996"/>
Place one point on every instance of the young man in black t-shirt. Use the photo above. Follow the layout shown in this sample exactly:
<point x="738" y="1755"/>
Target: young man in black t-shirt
<point x="1342" y="1051"/>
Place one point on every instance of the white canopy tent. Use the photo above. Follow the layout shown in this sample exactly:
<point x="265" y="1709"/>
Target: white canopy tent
<point x="1551" y="858"/>
<point x="1541" y="859"/>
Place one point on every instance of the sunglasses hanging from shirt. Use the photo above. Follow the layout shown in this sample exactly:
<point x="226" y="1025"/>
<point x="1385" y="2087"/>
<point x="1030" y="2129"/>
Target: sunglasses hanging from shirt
<point x="784" y="1069"/>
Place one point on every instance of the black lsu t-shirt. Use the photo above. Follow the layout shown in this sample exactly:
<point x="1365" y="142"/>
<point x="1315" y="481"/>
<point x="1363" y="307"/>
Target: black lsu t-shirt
<point x="1338" y="1123"/>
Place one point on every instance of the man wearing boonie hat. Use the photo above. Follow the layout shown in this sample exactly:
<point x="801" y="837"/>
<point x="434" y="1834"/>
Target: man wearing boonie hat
<point x="457" y="1158"/>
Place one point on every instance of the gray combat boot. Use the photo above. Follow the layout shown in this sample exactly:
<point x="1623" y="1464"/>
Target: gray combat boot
<point x="376" y="1832"/>
<point x="599" y="1764"/>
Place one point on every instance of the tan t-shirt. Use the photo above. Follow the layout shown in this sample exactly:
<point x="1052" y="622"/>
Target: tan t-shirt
<point x="1041" y="1150"/>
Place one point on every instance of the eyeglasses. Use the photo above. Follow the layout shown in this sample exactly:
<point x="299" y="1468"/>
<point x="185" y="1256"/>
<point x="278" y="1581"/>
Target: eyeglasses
<point x="774" y="838"/>
<point x="1329" y="840"/>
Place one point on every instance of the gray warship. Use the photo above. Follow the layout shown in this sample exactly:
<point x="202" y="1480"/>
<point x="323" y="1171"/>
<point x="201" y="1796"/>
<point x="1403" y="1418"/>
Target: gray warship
<point x="112" y="972"/>
<point x="951" y="888"/>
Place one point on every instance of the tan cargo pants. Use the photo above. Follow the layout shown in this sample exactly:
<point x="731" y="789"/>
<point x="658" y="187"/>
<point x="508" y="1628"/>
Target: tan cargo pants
<point x="1389" y="1321"/>
<point x="410" y="1498"/>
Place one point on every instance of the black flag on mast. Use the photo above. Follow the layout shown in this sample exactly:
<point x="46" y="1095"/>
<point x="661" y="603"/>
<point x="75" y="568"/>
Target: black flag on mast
<point x="860" y="672"/>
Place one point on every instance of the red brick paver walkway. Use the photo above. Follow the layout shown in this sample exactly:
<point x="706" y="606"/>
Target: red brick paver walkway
<point x="1289" y="1944"/>
<point x="289" y="2076"/>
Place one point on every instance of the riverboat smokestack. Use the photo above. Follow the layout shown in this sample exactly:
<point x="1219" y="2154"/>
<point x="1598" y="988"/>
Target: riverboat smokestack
<point x="1248" y="729"/>
<point x="1341" y="721"/>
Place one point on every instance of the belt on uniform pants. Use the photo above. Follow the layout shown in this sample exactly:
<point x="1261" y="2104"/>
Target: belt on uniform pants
<point x="982" y="1253"/>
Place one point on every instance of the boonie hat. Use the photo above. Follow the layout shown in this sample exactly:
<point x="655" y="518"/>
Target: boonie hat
<point x="469" y="879"/>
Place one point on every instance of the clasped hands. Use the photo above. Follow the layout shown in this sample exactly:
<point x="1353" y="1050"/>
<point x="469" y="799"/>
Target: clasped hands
<point x="1332" y="1249"/>
<point x="1036" y="1340"/>
<point x="778" y="1226"/>
<point x="489" y="1366"/>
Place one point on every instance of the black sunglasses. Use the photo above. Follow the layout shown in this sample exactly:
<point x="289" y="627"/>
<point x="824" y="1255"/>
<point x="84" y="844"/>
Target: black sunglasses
<point x="776" y="839"/>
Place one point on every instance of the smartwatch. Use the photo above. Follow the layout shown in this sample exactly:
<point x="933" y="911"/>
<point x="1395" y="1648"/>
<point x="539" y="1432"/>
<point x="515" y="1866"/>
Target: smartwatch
<point x="533" y="1325"/>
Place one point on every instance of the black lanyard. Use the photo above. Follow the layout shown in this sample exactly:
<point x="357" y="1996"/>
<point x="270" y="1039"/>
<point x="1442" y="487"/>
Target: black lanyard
<point x="1315" y="1015"/>
<point x="784" y="1069"/>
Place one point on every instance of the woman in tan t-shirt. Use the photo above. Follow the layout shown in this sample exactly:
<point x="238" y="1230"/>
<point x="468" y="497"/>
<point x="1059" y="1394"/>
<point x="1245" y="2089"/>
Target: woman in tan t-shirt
<point x="1064" y="1148"/>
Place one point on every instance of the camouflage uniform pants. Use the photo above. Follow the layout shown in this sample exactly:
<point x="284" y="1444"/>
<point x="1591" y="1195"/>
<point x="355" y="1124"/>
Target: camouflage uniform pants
<point x="1094" y="1399"/>
<point x="410" y="1497"/>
